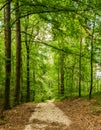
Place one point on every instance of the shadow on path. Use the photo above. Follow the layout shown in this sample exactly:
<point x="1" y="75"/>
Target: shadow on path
<point x="47" y="116"/>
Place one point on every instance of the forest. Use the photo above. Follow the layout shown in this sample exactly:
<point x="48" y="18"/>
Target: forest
<point x="49" y="50"/>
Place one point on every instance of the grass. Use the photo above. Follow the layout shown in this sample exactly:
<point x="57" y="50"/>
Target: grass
<point x="2" y="121"/>
<point x="97" y="98"/>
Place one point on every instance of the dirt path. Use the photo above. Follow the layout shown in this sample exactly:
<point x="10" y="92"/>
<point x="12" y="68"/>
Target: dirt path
<point x="83" y="115"/>
<point x="47" y="116"/>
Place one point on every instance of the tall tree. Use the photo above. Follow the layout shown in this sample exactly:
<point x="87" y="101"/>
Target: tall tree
<point x="27" y="42"/>
<point x="18" y="54"/>
<point x="91" y="60"/>
<point x="80" y="67"/>
<point x="62" y="72"/>
<point x="7" y="34"/>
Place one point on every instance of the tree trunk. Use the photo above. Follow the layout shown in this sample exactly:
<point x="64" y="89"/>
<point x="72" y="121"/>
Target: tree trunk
<point x="59" y="76"/>
<point x="18" y="55"/>
<point x="91" y="62"/>
<point x="34" y="84"/>
<point x="62" y="73"/>
<point x="28" y="76"/>
<point x="27" y="42"/>
<point x="80" y="68"/>
<point x="91" y="71"/>
<point x="7" y="34"/>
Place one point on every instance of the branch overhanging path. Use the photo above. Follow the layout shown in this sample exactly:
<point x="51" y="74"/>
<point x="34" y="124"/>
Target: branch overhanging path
<point x="42" y="8"/>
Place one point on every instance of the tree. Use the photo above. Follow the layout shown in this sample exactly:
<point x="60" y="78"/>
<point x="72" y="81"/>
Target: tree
<point x="27" y="42"/>
<point x="91" y="60"/>
<point x="18" y="54"/>
<point x="7" y="34"/>
<point x="52" y="51"/>
<point x="80" y="67"/>
<point x="62" y="73"/>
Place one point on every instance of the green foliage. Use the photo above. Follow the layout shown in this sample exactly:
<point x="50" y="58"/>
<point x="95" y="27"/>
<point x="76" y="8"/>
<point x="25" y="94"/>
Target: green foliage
<point x="54" y="27"/>
<point x="97" y="97"/>
<point x="2" y="121"/>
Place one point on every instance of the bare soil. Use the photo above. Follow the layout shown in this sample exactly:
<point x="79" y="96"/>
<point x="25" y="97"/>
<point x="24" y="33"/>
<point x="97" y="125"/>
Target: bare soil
<point x="84" y="114"/>
<point x="18" y="117"/>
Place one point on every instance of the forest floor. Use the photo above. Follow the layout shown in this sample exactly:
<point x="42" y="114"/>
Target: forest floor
<point x="69" y="114"/>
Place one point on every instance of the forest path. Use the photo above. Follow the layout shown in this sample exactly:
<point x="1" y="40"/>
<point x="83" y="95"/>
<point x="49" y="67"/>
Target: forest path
<point x="47" y="116"/>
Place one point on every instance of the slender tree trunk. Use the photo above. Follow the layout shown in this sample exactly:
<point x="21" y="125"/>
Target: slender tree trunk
<point x="34" y="84"/>
<point x="91" y="63"/>
<point x="80" y="68"/>
<point x="59" y="76"/>
<point x="28" y="76"/>
<point x="27" y="42"/>
<point x="62" y="72"/>
<point x="34" y="75"/>
<point x="18" y="55"/>
<point x="91" y="70"/>
<point x="7" y="34"/>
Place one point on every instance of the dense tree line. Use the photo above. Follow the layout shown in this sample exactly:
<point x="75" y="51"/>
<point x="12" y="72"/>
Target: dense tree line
<point x="49" y="49"/>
